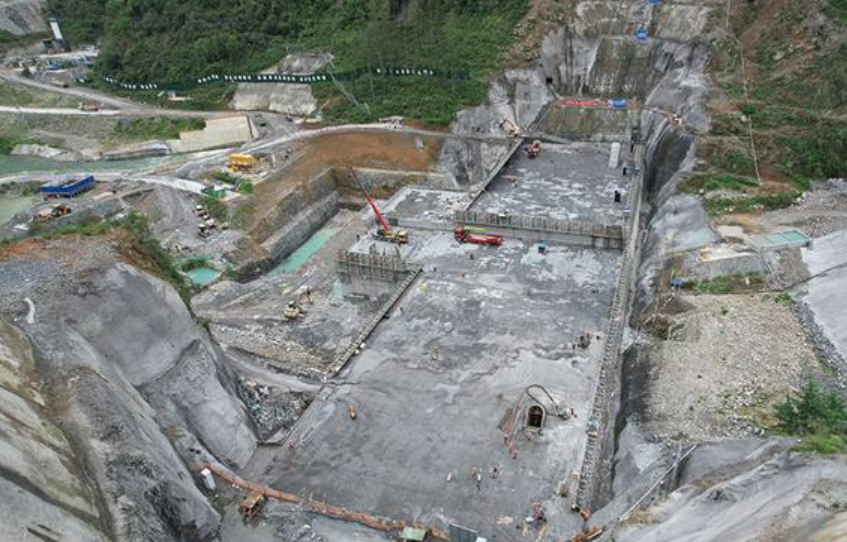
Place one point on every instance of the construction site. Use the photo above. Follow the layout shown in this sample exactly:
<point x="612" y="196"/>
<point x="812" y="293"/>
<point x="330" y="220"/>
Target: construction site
<point x="525" y="326"/>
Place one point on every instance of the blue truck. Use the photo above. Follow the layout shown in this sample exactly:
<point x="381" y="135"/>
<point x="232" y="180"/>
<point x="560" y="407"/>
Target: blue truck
<point x="68" y="188"/>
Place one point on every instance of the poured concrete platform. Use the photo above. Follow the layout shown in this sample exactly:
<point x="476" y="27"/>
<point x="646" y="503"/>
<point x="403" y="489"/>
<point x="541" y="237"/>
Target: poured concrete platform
<point x="568" y="182"/>
<point x="436" y="378"/>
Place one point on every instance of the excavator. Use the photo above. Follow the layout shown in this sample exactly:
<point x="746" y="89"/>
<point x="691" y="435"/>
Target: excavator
<point x="384" y="231"/>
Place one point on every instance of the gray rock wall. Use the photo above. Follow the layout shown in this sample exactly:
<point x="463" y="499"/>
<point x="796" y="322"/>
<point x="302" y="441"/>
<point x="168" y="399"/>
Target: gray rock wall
<point x="42" y="489"/>
<point x="22" y="16"/>
<point x="128" y="373"/>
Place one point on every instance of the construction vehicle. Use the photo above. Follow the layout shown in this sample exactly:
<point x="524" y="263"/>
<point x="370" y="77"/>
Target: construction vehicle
<point x="54" y="212"/>
<point x="252" y="505"/>
<point x="292" y="311"/>
<point x="241" y="162"/>
<point x="534" y="149"/>
<point x="88" y="106"/>
<point x="513" y="129"/>
<point x="463" y="235"/>
<point x="400" y="237"/>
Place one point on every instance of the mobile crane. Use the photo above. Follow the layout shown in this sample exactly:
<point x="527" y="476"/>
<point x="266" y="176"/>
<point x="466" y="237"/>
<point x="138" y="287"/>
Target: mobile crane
<point x="399" y="236"/>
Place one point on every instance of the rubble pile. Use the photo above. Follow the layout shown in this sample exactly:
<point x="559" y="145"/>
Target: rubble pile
<point x="272" y="409"/>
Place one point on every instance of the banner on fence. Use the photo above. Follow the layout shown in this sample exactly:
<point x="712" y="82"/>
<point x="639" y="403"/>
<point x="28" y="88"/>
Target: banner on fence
<point x="290" y="78"/>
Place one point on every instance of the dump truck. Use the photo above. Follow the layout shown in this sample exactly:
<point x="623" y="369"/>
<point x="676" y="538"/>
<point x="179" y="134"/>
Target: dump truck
<point x="463" y="235"/>
<point x="241" y="162"/>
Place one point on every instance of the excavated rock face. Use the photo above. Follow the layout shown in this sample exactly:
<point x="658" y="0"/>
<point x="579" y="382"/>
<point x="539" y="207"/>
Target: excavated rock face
<point x="42" y="489"/>
<point x="134" y="384"/>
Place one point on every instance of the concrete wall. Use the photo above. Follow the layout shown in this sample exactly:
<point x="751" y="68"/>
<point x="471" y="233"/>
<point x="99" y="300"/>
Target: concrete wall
<point x="588" y="124"/>
<point x="218" y="133"/>
<point x="695" y="268"/>
<point x="300" y="214"/>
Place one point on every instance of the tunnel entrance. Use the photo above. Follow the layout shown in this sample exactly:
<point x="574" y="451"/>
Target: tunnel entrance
<point x="535" y="417"/>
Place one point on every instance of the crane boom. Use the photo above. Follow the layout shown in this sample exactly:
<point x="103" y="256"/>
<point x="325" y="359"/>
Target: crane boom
<point x="382" y="221"/>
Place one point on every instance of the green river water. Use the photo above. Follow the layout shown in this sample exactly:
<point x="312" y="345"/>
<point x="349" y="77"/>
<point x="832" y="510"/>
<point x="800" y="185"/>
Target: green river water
<point x="12" y="165"/>
<point x="306" y="251"/>
<point x="10" y="206"/>
<point x="202" y="276"/>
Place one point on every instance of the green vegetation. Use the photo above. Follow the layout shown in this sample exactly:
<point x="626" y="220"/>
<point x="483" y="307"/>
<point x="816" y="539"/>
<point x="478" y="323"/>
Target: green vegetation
<point x="245" y="188"/>
<point x="156" y="128"/>
<point x="143" y="243"/>
<point x="9" y="141"/>
<point x="717" y="181"/>
<point x="797" y="80"/>
<point x="89" y="225"/>
<point x="818" y="416"/>
<point x="82" y="20"/>
<point x="10" y="41"/>
<point x="167" y="42"/>
<point x="748" y="204"/>
<point x="216" y="208"/>
<point x="728" y="284"/>
<point x="819" y="152"/>
<point x="836" y="10"/>
<point x="163" y="263"/>
<point x="226" y="177"/>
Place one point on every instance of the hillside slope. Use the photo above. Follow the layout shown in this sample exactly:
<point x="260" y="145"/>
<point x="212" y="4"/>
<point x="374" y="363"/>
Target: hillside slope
<point x="163" y="41"/>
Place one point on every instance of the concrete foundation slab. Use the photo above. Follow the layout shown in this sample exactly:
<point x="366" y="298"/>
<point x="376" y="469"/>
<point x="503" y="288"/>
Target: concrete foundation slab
<point x="569" y="182"/>
<point x="436" y="378"/>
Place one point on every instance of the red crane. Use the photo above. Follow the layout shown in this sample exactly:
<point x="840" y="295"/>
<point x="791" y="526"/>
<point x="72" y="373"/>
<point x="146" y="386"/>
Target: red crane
<point x="400" y="236"/>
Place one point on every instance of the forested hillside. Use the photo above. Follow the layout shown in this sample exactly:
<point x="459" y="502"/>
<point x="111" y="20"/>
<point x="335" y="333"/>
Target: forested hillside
<point x="788" y="92"/>
<point x="166" y="41"/>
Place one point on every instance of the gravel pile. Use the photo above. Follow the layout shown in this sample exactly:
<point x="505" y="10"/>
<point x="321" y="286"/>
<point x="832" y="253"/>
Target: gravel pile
<point x="818" y="213"/>
<point x="822" y="345"/>
<point x="725" y="365"/>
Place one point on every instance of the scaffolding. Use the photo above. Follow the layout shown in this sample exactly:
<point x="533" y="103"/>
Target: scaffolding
<point x="375" y="265"/>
